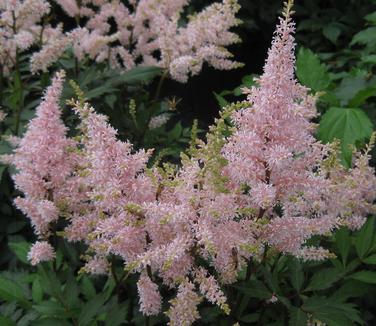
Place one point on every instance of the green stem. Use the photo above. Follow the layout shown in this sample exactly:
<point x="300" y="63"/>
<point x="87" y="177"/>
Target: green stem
<point x="18" y="87"/>
<point x="1" y="85"/>
<point x="160" y="84"/>
<point x="156" y="97"/>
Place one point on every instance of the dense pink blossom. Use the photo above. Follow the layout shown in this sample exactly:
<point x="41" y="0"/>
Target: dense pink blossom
<point x="150" y="298"/>
<point x="39" y="252"/>
<point x="43" y="161"/>
<point x="183" y="309"/>
<point x="268" y="184"/>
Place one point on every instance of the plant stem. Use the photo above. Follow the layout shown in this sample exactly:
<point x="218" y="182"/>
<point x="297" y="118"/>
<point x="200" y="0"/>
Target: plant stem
<point x="1" y="85"/>
<point x="160" y="84"/>
<point x="18" y="88"/>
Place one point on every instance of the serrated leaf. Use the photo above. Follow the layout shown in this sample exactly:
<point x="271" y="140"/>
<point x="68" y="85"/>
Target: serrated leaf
<point x="371" y="260"/>
<point x="364" y="238"/>
<point x="371" y="17"/>
<point x="332" y="32"/>
<point x="117" y="314"/>
<point x="140" y="74"/>
<point x="51" y="309"/>
<point x="37" y="291"/>
<point x="365" y="37"/>
<point x="175" y="133"/>
<point x="365" y="276"/>
<point x="91" y="309"/>
<point x="255" y="289"/>
<point x="99" y="91"/>
<point x="362" y="96"/>
<point x="11" y="291"/>
<point x="310" y="71"/>
<point x="349" y="125"/>
<point x="350" y="289"/>
<point x="297" y="317"/>
<point x="349" y="87"/>
<point x="332" y="312"/>
<point x="50" y="322"/>
<point x="87" y="287"/>
<point x="323" y="279"/>
<point x="71" y="292"/>
<point x="296" y="274"/>
<point x="20" y="249"/>
<point x="343" y="243"/>
<point x="221" y="100"/>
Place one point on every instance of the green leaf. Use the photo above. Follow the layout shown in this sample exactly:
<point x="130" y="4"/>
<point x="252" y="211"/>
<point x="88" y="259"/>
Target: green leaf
<point x="15" y="226"/>
<point x="51" y="309"/>
<point x="365" y="276"/>
<point x="348" y="125"/>
<point x="297" y="317"/>
<point x="364" y="238"/>
<point x="349" y="87"/>
<point x="362" y="96"/>
<point x="323" y="279"/>
<point x="91" y="309"/>
<point x="99" y="91"/>
<point x="365" y="37"/>
<point x="331" y="312"/>
<point x="255" y="289"/>
<point x="5" y="321"/>
<point x="371" y="17"/>
<point x="87" y="287"/>
<point x="71" y="292"/>
<point x="343" y="243"/>
<point x="310" y="71"/>
<point x="117" y="314"/>
<point x="371" y="58"/>
<point x="50" y="283"/>
<point x="37" y="291"/>
<point x="11" y="291"/>
<point x="175" y="133"/>
<point x="350" y="289"/>
<point x="221" y="100"/>
<point x="20" y="249"/>
<point x="50" y="322"/>
<point x="140" y="74"/>
<point x="332" y="32"/>
<point x="250" y="318"/>
<point x="371" y="260"/>
<point x="296" y="274"/>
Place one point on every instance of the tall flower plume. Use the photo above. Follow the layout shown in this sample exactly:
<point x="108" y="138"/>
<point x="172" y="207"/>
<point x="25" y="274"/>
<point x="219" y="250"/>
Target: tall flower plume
<point x="43" y="162"/>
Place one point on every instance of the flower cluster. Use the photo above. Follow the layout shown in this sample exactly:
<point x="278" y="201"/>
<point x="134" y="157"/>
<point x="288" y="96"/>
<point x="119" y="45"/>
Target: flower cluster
<point x="147" y="32"/>
<point x="268" y="184"/>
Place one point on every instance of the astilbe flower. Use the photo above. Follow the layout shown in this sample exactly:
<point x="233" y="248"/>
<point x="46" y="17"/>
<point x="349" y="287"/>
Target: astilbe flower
<point x="22" y="27"/>
<point x="44" y="162"/>
<point x="150" y="298"/>
<point x="113" y="179"/>
<point x="269" y="183"/>
<point x="295" y="184"/>
<point x="183" y="309"/>
<point x="41" y="251"/>
<point x="147" y="33"/>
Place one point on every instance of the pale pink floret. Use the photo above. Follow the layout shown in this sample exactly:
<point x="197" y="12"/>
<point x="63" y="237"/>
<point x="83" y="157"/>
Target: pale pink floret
<point x="183" y="309"/>
<point x="41" y="251"/>
<point x="150" y="298"/>
<point x="43" y="161"/>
